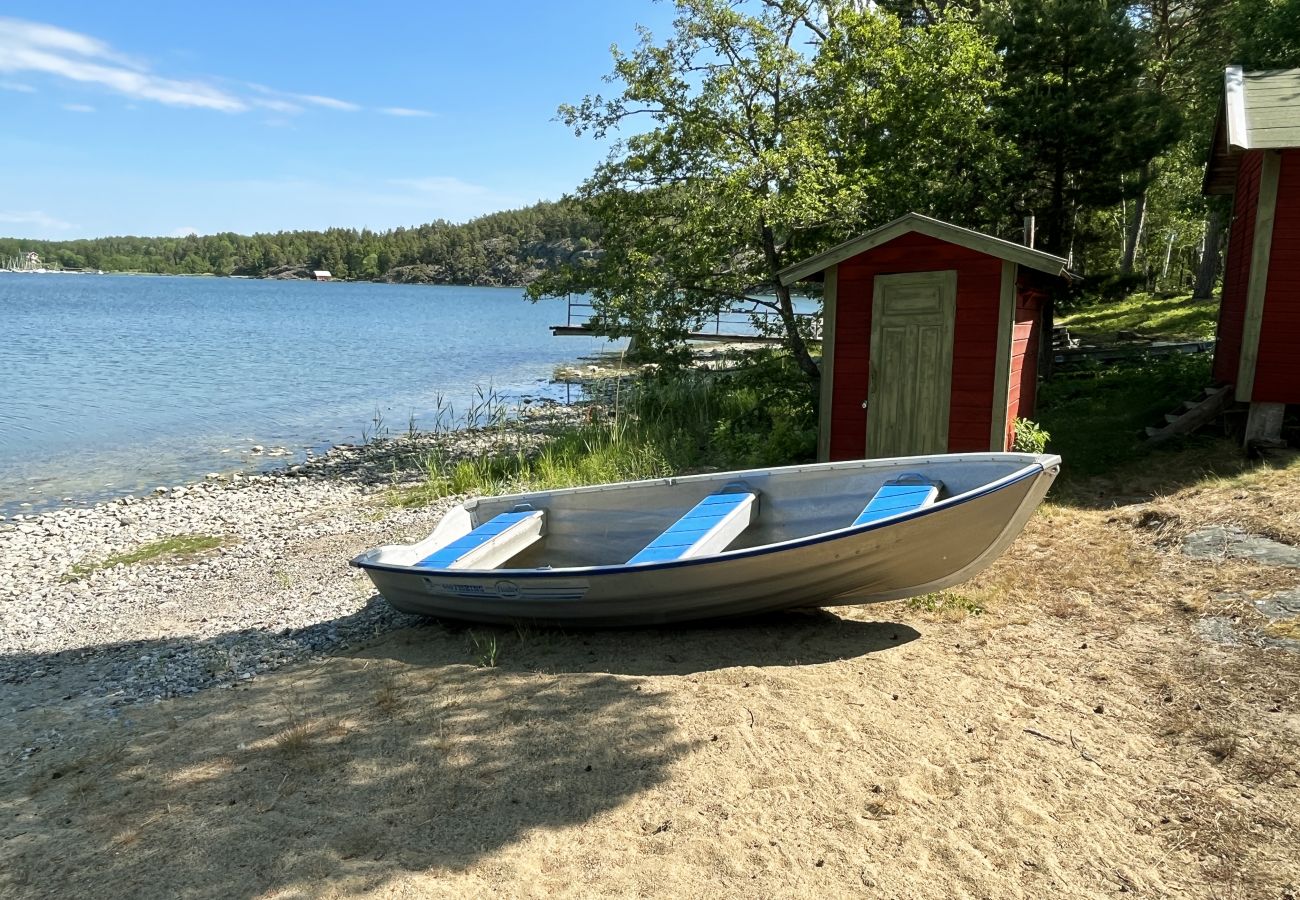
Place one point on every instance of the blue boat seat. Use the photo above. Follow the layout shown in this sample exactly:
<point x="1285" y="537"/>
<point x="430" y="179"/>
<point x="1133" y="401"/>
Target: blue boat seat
<point x="708" y="527"/>
<point x="491" y="544"/>
<point x="903" y="494"/>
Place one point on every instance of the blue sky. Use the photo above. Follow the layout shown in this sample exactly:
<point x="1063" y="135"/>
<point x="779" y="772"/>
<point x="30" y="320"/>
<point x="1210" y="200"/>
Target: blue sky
<point x="162" y="118"/>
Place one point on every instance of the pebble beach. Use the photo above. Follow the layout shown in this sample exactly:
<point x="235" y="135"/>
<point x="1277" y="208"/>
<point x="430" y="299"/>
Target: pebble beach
<point x="277" y="589"/>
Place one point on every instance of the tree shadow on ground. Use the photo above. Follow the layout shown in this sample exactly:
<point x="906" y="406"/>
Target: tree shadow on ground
<point x="424" y="751"/>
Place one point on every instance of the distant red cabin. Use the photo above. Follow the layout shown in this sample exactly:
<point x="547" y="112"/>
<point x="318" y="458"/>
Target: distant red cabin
<point x="1255" y="158"/>
<point x="930" y="339"/>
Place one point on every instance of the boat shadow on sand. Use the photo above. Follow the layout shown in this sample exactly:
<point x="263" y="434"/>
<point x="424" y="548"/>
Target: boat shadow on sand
<point x="415" y="755"/>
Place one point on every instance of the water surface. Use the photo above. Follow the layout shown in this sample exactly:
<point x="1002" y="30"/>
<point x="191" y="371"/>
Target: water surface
<point x="115" y="384"/>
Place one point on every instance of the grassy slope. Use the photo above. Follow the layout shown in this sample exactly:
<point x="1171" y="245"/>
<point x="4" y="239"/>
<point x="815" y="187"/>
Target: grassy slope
<point x="1097" y="416"/>
<point x="1172" y="318"/>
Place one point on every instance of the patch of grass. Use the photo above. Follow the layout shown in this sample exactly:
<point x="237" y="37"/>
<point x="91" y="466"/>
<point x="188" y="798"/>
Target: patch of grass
<point x="297" y="739"/>
<point x="388" y="697"/>
<point x="173" y="549"/>
<point x="1097" y="417"/>
<point x="486" y="649"/>
<point x="947" y="606"/>
<point x="1171" y="318"/>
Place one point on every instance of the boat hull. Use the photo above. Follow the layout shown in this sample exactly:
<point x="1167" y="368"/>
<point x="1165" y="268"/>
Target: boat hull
<point x="915" y="553"/>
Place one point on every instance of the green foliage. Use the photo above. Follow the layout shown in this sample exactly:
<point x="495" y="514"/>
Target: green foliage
<point x="697" y="210"/>
<point x="1029" y="437"/>
<point x="910" y="121"/>
<point x="1097" y="417"/>
<point x="766" y="415"/>
<point x="1076" y="107"/>
<point x="486" y="649"/>
<point x="1267" y="32"/>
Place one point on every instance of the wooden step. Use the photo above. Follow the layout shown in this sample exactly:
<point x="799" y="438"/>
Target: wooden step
<point x="1200" y="413"/>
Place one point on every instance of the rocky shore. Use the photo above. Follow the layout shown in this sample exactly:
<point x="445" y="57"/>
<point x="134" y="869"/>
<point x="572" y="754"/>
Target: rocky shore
<point x="276" y="590"/>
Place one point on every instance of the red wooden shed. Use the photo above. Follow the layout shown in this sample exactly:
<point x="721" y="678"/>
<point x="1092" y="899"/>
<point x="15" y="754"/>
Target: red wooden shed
<point x="929" y="340"/>
<point x="1255" y="158"/>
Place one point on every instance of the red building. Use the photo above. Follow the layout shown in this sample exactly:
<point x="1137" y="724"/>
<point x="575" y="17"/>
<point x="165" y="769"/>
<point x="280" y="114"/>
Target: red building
<point x="1255" y="158"/>
<point x="930" y="339"/>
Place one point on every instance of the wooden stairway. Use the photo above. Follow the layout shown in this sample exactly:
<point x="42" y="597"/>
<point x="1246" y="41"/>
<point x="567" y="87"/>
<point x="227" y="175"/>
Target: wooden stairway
<point x="1193" y="414"/>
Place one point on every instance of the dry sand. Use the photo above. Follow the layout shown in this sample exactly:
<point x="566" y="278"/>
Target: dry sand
<point x="1076" y="738"/>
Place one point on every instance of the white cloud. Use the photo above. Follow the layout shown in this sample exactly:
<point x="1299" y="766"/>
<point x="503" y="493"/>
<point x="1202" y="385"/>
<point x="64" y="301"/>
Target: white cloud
<point x="184" y="231"/>
<point x="404" y="111"/>
<point x="17" y="86"/>
<point x="78" y="107"/>
<point x="35" y="218"/>
<point x="327" y="102"/>
<point x="34" y="47"/>
<point x="280" y="106"/>
<point x="37" y="48"/>
<point x="287" y="102"/>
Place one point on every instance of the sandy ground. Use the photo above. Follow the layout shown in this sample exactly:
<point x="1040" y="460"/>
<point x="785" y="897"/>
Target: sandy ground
<point x="1056" y="728"/>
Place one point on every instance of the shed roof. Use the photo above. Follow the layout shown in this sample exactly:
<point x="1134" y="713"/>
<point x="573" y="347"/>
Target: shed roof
<point x="1259" y="111"/>
<point x="944" y="231"/>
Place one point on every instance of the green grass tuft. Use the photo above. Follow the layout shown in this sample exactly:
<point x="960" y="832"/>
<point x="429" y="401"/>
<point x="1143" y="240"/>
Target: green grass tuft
<point x="173" y="549"/>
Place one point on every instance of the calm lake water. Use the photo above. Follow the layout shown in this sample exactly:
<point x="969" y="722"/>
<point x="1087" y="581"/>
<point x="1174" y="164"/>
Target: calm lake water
<point x="116" y="384"/>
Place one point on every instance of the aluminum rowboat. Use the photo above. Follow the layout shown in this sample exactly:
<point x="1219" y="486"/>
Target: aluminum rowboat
<point x="806" y="539"/>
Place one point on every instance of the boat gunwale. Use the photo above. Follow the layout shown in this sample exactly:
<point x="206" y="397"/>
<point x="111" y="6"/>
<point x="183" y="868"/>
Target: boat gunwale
<point x="1032" y="470"/>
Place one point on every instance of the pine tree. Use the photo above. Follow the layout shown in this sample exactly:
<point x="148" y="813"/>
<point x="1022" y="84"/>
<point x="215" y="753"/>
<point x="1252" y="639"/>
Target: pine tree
<point x="1077" y="108"/>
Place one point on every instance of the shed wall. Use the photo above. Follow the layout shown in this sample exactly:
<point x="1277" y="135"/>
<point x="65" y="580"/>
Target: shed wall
<point x="1277" y="367"/>
<point x="1023" y="390"/>
<point x="979" y="279"/>
<point x="1236" y="273"/>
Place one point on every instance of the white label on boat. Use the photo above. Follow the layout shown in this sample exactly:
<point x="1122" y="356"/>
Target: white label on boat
<point x="570" y="589"/>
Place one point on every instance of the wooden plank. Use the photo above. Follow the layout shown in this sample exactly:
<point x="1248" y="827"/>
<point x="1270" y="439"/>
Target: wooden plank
<point x="1002" y="356"/>
<point x="1257" y="282"/>
<point x="830" y="291"/>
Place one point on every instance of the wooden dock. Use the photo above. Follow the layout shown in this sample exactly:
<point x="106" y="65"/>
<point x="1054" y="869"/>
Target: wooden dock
<point x="736" y="326"/>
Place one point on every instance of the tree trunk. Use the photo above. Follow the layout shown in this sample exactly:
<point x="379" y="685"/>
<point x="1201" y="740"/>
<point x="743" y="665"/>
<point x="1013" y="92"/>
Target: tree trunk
<point x="1209" y="267"/>
<point x="1134" y="232"/>
<point x="1046" y="352"/>
<point x="794" y="340"/>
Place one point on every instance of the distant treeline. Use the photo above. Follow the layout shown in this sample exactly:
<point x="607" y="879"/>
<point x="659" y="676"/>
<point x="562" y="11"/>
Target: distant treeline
<point x="503" y="248"/>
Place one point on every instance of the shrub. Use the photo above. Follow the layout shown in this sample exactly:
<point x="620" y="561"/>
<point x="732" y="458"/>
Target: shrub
<point x="1029" y="437"/>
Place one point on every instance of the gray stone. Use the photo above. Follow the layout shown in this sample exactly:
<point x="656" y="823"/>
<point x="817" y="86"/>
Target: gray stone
<point x="1282" y="605"/>
<point x="1221" y="542"/>
<point x="1218" y="630"/>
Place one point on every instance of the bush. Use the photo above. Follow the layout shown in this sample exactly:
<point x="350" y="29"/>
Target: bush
<point x="1029" y="437"/>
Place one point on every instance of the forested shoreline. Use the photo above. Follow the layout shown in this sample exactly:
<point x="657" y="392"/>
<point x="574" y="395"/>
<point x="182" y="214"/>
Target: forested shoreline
<point x="503" y="248"/>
